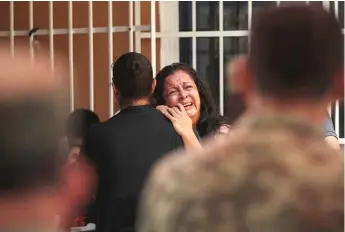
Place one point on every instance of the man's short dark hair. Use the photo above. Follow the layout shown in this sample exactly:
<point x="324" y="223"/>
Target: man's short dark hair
<point x="133" y="76"/>
<point x="78" y="122"/>
<point x="295" y="51"/>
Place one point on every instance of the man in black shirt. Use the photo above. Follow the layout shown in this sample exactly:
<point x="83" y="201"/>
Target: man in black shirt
<point x="125" y="147"/>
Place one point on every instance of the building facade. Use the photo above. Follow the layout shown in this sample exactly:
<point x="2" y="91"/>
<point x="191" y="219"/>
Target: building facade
<point x="91" y="35"/>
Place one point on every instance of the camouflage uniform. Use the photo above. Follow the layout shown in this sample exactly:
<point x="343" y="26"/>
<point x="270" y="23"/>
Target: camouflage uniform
<point x="275" y="174"/>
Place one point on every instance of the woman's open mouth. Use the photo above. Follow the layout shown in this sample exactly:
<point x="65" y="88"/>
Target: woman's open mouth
<point x="188" y="105"/>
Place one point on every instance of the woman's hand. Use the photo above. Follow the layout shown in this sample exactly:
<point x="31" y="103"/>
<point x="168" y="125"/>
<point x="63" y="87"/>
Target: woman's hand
<point x="179" y="118"/>
<point x="182" y="124"/>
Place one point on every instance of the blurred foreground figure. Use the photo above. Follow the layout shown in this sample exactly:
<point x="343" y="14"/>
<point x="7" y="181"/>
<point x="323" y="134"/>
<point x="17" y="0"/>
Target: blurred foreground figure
<point x="78" y="123"/>
<point x="275" y="172"/>
<point x="36" y="185"/>
<point x="238" y="108"/>
<point x="331" y="136"/>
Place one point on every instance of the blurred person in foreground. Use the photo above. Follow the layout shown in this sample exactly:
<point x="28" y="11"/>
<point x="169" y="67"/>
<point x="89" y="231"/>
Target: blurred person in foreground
<point x="125" y="147"/>
<point x="235" y="100"/>
<point x="276" y="174"/>
<point x="78" y="123"/>
<point x="237" y="106"/>
<point x="36" y="185"/>
<point x="331" y="136"/>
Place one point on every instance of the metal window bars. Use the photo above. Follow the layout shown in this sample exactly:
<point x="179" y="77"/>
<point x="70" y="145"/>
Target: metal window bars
<point x="137" y="32"/>
<point x="134" y="28"/>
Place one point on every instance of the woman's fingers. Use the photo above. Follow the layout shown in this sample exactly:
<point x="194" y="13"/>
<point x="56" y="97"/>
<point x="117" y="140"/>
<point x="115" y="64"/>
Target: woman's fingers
<point x="177" y="111"/>
<point x="173" y="111"/>
<point x="181" y="108"/>
<point x="162" y="107"/>
<point x="168" y="115"/>
<point x="161" y="110"/>
<point x="164" y="110"/>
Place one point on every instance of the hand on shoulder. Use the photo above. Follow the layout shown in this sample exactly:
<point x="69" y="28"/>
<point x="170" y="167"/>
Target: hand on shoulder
<point x="179" y="118"/>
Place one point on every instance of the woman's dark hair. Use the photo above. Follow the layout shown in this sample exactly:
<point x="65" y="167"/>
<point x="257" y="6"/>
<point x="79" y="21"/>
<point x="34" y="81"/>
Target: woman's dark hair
<point x="78" y="122"/>
<point x="210" y="119"/>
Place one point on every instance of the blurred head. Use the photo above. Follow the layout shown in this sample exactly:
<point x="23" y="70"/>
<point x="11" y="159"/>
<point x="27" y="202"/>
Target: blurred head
<point x="78" y="122"/>
<point x="236" y="96"/>
<point x="179" y="83"/>
<point x="233" y="71"/>
<point x="132" y="78"/>
<point x="35" y="184"/>
<point x="297" y="57"/>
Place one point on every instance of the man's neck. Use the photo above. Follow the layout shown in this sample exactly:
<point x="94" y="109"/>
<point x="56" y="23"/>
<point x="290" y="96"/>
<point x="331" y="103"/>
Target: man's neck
<point x="138" y="102"/>
<point x="313" y="112"/>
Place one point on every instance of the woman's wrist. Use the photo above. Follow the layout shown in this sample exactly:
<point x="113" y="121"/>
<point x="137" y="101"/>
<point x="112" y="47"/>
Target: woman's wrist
<point x="188" y="134"/>
<point x="190" y="140"/>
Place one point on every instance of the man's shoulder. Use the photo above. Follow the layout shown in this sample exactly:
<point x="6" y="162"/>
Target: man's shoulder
<point x="159" y="116"/>
<point x="106" y="124"/>
<point x="157" y="122"/>
<point x="224" y="156"/>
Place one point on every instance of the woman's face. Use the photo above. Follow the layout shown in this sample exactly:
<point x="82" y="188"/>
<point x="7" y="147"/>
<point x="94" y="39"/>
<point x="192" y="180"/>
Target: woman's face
<point x="180" y="88"/>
